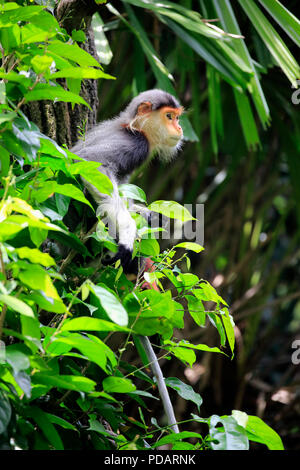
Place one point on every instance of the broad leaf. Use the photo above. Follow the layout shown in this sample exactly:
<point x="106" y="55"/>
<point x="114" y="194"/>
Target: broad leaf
<point x="184" y="390"/>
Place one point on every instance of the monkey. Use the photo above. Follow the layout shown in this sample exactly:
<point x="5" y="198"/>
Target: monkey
<point x="148" y="126"/>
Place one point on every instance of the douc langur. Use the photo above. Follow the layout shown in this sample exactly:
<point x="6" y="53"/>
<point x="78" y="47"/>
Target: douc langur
<point x="149" y="125"/>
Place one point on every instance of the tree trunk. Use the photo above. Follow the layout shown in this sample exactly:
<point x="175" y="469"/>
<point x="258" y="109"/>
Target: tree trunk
<point x="61" y="121"/>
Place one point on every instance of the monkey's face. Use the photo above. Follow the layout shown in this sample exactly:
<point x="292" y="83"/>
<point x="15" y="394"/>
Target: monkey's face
<point x="169" y="118"/>
<point x="161" y="127"/>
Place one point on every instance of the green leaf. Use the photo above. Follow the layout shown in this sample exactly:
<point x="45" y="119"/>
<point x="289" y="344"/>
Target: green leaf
<point x="60" y="422"/>
<point x="272" y="40"/>
<point x="37" y="278"/>
<point x="73" y="52"/>
<point x="17" y="357"/>
<point x="90" y="171"/>
<point x="4" y="160"/>
<point x="196" y="310"/>
<point x="156" y="303"/>
<point x="91" y="347"/>
<point x="190" y="19"/>
<point x="143" y="394"/>
<point x="69" y="382"/>
<point x="188" y="280"/>
<point x="11" y="17"/>
<point x="42" y="420"/>
<point x="215" y="106"/>
<point x="149" y="247"/>
<point x="5" y="412"/>
<point x="187" y="356"/>
<point x="48" y="303"/>
<point x="231" y="437"/>
<point x="19" y="205"/>
<point x="42" y="91"/>
<point x="110" y="303"/>
<point x="118" y="385"/>
<point x="103" y="49"/>
<point x="288" y="22"/>
<point x="184" y="390"/>
<point x="41" y="63"/>
<point x="10" y="37"/>
<point x="131" y="191"/>
<point x="182" y="446"/>
<point x="207" y="292"/>
<point x="31" y="329"/>
<point x="17" y="305"/>
<point x="4" y="117"/>
<point x="190" y="246"/>
<point x="186" y="344"/>
<point x="228" y="323"/>
<point x="230" y="24"/>
<point x="258" y="431"/>
<point x="247" y="119"/>
<point x="50" y="187"/>
<point x="171" y="209"/>
<point x="24" y="381"/>
<point x="35" y="256"/>
<point x="217" y="322"/>
<point x="28" y="136"/>
<point x="16" y="223"/>
<point x="241" y="417"/>
<point x="91" y="324"/>
<point x="37" y="235"/>
<point x="172" y="438"/>
<point x="217" y="54"/>
<point x="78" y="35"/>
<point x="16" y="77"/>
<point x="31" y="33"/>
<point x="12" y="144"/>
<point x="82" y="73"/>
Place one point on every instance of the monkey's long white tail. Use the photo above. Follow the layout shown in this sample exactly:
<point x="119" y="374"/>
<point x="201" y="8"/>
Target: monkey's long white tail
<point x="119" y="220"/>
<point x="168" y="407"/>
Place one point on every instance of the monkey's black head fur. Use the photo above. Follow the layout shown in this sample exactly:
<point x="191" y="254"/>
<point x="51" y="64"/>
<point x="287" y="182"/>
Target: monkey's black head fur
<point x="158" y="99"/>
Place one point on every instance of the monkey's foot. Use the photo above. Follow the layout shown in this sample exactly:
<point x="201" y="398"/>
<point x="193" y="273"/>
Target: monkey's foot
<point x="125" y="256"/>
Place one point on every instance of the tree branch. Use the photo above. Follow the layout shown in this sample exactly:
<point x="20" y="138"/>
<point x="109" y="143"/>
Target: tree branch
<point x="75" y="14"/>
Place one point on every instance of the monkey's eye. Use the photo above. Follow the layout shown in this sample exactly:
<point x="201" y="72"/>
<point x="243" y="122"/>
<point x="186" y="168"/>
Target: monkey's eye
<point x="169" y="116"/>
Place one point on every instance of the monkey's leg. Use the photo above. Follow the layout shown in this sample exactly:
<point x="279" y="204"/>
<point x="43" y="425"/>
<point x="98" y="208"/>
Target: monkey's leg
<point x="163" y="391"/>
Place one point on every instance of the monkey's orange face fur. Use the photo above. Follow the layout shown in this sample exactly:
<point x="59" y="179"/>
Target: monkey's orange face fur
<point x="170" y="120"/>
<point x="161" y="126"/>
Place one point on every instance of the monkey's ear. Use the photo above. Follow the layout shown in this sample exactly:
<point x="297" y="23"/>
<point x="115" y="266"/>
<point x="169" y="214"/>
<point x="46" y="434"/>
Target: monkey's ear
<point x="144" y="108"/>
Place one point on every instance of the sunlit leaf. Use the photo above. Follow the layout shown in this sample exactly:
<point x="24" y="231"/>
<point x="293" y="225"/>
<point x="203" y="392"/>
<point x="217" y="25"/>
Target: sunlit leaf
<point x="16" y="304"/>
<point x="118" y="385"/>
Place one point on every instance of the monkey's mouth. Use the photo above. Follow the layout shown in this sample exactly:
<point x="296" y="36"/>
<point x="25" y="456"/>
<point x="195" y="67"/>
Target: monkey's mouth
<point x="175" y="137"/>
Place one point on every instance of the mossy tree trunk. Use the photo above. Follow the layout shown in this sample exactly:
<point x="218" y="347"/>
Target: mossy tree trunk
<point x="61" y="121"/>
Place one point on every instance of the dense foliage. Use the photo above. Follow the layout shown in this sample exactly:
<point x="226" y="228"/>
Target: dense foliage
<point x="67" y="322"/>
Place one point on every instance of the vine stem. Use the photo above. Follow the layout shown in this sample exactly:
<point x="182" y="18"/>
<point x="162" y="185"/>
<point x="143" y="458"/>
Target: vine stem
<point x="164" y="394"/>
<point x="4" y="308"/>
